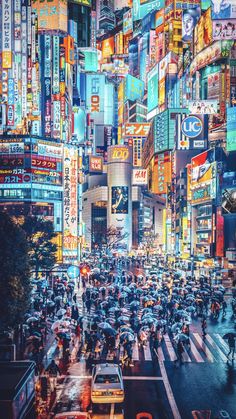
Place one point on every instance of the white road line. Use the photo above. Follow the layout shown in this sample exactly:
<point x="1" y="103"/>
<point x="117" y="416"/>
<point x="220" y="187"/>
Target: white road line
<point x="195" y="352"/>
<point x="160" y="354"/>
<point x="170" y="348"/>
<point x="147" y="353"/>
<point x="186" y="356"/>
<point x="169" y="392"/>
<point x="126" y="378"/>
<point x="214" y="345"/>
<point x="204" y="347"/>
<point x="112" y="411"/>
<point x="135" y="356"/>
<point x="222" y="342"/>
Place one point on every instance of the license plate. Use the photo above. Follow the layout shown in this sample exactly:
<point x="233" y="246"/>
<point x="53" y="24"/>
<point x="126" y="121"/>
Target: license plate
<point x="108" y="393"/>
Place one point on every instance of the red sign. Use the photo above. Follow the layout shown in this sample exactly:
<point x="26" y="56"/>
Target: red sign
<point x="219" y="233"/>
<point x="46" y="164"/>
<point x="95" y="164"/>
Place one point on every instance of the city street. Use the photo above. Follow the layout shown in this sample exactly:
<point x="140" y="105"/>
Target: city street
<point x="160" y="387"/>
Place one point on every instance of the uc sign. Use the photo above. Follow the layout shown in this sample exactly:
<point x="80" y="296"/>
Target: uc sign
<point x="192" y="126"/>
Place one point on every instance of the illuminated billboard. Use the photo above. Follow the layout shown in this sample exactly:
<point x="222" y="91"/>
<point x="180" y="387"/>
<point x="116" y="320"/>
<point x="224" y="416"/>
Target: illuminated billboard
<point x="224" y="29"/>
<point x="52" y="14"/>
<point x="137" y="130"/>
<point x="95" y="92"/>
<point x="231" y="129"/>
<point x="70" y="202"/>
<point x="119" y="199"/>
<point x="134" y="88"/>
<point x="152" y="87"/>
<point x="221" y="9"/>
<point x="143" y="53"/>
<point x="203" y="169"/>
<point x="140" y="177"/>
<point x="95" y="164"/>
<point x="6" y="35"/>
<point x="209" y="107"/>
<point x="203" y="32"/>
<point x="128" y="22"/>
<point x="91" y="60"/>
<point x="189" y="21"/>
<point x="108" y="47"/>
<point x="142" y="7"/>
<point x="229" y="193"/>
<point x="133" y="57"/>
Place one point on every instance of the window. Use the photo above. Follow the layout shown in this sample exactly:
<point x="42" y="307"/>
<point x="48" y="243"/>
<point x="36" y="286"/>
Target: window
<point x="107" y="379"/>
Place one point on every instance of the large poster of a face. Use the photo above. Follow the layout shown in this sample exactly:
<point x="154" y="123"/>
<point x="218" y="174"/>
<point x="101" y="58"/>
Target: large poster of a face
<point x="189" y="21"/>
<point x="119" y="199"/>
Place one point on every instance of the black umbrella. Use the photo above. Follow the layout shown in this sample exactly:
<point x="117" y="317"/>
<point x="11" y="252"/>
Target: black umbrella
<point x="229" y="335"/>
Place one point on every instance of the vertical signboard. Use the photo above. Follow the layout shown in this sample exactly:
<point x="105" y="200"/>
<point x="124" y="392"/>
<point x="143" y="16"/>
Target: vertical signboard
<point x="152" y="86"/>
<point x="231" y="129"/>
<point x="56" y="65"/>
<point x="6" y="33"/>
<point x="70" y="203"/>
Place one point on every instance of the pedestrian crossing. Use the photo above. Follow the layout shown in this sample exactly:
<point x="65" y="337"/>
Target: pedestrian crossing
<point x="213" y="349"/>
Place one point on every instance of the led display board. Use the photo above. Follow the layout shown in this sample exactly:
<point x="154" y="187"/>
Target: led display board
<point x="134" y="88"/>
<point x="152" y="87"/>
<point x="231" y="129"/>
<point x="141" y="7"/>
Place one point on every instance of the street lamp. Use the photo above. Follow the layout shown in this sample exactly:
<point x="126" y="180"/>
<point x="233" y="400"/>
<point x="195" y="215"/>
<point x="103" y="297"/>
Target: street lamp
<point x="192" y="266"/>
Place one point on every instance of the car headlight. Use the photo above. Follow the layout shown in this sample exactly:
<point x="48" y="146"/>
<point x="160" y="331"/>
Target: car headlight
<point x="119" y="393"/>
<point x="97" y="393"/>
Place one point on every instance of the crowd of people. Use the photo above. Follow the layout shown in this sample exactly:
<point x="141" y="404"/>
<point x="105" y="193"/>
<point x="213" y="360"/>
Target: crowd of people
<point x="112" y="307"/>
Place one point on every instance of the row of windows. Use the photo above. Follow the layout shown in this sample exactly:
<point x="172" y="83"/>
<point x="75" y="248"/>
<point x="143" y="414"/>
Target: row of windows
<point x="30" y="194"/>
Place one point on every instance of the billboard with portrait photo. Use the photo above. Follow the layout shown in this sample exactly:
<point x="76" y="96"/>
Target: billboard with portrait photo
<point x="119" y="199"/>
<point x="224" y="29"/>
<point x="189" y="21"/>
<point x="223" y="9"/>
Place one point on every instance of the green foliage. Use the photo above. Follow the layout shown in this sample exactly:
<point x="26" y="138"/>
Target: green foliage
<point x="14" y="273"/>
<point x="42" y="251"/>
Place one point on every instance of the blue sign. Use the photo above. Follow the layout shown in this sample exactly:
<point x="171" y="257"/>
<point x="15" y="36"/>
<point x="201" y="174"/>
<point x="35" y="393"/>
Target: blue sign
<point x="192" y="126"/>
<point x="73" y="272"/>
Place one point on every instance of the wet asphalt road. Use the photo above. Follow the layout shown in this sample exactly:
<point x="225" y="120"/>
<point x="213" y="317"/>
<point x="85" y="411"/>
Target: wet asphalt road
<point x="205" y="383"/>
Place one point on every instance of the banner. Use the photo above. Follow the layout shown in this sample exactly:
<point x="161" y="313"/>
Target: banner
<point x="127" y="22"/>
<point x="119" y="199"/>
<point x="224" y="29"/>
<point x="223" y="9"/>
<point x="209" y="107"/>
<point x="6" y="14"/>
<point x="70" y="202"/>
<point x="231" y="129"/>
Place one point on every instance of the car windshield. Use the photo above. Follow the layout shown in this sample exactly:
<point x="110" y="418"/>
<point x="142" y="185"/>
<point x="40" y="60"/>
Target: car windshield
<point x="107" y="379"/>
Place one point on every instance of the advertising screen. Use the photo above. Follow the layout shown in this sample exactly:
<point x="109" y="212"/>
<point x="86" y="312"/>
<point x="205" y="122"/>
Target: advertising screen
<point x="134" y="88"/>
<point x="133" y="57"/>
<point x="95" y="164"/>
<point x="152" y="87"/>
<point x="223" y="9"/>
<point x="140" y="177"/>
<point x="128" y="22"/>
<point x="52" y="14"/>
<point x="189" y="21"/>
<point x="95" y="92"/>
<point x="231" y="129"/>
<point x="143" y="52"/>
<point x="91" y="60"/>
<point x="203" y="168"/>
<point x="142" y="7"/>
<point x="70" y="203"/>
<point x="203" y="32"/>
<point x="108" y="47"/>
<point x="224" y="29"/>
<point x="119" y="199"/>
<point x="229" y="201"/>
<point x="209" y="107"/>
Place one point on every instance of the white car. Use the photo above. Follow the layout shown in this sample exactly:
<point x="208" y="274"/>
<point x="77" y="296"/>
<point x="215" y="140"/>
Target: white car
<point x="107" y="384"/>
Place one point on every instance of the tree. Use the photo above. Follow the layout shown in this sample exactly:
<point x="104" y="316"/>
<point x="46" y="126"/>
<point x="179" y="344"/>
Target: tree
<point x="42" y="250"/>
<point x="14" y="273"/>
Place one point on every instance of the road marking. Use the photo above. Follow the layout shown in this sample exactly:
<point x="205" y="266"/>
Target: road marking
<point x="213" y="344"/>
<point x="147" y="353"/>
<point x="112" y="411"/>
<point x="222" y="342"/>
<point x="126" y="378"/>
<point x="169" y="392"/>
<point x="160" y="354"/>
<point x="195" y="352"/>
<point x="204" y="347"/>
<point x="135" y="356"/>
<point x="170" y="348"/>
<point x="186" y="356"/>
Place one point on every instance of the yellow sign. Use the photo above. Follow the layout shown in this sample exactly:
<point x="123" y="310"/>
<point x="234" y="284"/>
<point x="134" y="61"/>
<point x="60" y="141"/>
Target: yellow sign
<point x="6" y="59"/>
<point x="120" y="153"/>
<point x="52" y="14"/>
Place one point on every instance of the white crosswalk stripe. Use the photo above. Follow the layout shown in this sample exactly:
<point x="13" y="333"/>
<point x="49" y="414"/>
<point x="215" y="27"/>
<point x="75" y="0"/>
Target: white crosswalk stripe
<point x="212" y="349"/>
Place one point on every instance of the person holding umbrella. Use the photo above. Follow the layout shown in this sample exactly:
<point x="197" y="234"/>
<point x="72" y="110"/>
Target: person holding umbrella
<point x="230" y="337"/>
<point x="53" y="371"/>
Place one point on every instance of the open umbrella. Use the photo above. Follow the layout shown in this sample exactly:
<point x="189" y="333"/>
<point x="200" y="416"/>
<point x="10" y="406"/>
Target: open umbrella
<point x="104" y="325"/>
<point x="123" y="319"/>
<point x="109" y="331"/>
<point x="126" y="329"/>
<point x="229" y="335"/>
<point x="64" y="335"/>
<point x="32" y="320"/>
<point x="61" y="312"/>
<point x="50" y="304"/>
<point x="182" y="337"/>
<point x="176" y="326"/>
<point x="58" y="298"/>
<point x="126" y="336"/>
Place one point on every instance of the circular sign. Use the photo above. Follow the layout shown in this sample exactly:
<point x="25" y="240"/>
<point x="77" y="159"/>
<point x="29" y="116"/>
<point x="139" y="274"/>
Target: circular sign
<point x="73" y="271"/>
<point x="192" y="126"/>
